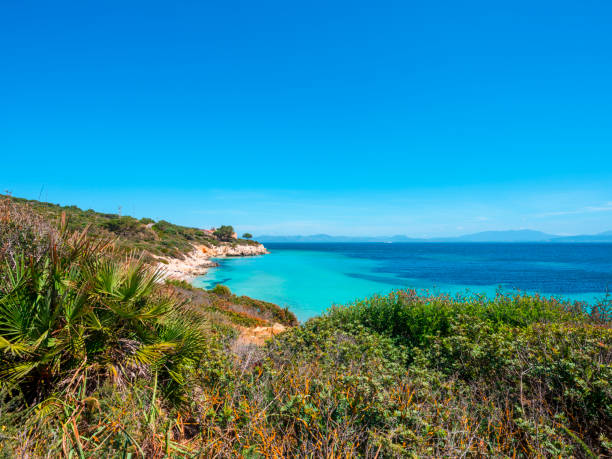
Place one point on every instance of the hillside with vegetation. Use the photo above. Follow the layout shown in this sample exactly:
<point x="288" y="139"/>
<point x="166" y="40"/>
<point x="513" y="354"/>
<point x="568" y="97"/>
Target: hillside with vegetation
<point x="99" y="357"/>
<point x="146" y="236"/>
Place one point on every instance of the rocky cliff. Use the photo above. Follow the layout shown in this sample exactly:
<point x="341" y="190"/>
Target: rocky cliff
<point x="234" y="250"/>
<point x="199" y="260"/>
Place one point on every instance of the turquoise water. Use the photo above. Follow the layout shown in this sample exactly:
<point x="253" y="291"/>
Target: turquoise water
<point x="307" y="282"/>
<point x="308" y="278"/>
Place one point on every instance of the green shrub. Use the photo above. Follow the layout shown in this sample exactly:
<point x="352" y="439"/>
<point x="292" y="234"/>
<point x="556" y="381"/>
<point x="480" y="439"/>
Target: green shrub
<point x="413" y="320"/>
<point x="123" y="226"/>
<point x="521" y="374"/>
<point x="224" y="233"/>
<point x="222" y="290"/>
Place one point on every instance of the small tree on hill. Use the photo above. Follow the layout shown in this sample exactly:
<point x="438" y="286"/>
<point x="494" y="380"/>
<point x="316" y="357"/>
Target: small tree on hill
<point x="247" y="235"/>
<point x="224" y="233"/>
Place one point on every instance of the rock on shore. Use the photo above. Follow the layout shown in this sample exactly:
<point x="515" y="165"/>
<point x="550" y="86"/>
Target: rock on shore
<point x="237" y="250"/>
<point x="199" y="260"/>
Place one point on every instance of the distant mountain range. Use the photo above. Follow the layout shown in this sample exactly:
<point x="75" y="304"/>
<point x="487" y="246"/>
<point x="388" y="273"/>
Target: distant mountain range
<point x="501" y="236"/>
<point x="601" y="237"/>
<point x="485" y="236"/>
<point x="328" y="238"/>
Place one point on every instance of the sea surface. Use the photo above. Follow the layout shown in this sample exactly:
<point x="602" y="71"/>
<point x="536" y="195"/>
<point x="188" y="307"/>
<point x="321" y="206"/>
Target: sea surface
<point x="310" y="277"/>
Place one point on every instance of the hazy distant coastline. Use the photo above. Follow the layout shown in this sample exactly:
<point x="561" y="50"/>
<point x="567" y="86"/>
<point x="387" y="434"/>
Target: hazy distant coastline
<point x="515" y="236"/>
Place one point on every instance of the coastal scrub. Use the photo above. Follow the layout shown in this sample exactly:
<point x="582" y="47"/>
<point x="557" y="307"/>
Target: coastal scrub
<point x="101" y="358"/>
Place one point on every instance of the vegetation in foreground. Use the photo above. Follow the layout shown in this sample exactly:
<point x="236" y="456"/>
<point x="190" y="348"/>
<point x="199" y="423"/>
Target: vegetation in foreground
<point x="98" y="359"/>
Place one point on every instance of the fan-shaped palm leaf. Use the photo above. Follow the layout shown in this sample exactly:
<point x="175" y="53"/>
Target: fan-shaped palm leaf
<point x="15" y="371"/>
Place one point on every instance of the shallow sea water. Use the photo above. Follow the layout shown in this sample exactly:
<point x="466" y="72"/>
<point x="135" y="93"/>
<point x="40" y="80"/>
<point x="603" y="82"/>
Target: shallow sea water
<point x="308" y="278"/>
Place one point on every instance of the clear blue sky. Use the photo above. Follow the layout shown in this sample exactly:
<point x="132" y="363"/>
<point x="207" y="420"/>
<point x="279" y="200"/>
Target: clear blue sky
<point x="359" y="118"/>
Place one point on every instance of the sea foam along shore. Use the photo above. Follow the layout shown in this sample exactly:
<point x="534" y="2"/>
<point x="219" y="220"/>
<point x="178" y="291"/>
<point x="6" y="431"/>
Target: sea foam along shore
<point x="197" y="262"/>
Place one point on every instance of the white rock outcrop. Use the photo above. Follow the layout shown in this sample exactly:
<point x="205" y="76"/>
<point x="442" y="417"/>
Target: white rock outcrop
<point x="199" y="260"/>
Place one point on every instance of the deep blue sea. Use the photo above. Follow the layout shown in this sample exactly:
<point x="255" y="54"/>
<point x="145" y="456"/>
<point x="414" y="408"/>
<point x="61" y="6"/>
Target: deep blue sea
<point x="308" y="278"/>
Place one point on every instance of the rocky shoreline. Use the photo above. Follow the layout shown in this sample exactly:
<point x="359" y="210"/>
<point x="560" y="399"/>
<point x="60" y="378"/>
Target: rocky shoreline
<point x="199" y="260"/>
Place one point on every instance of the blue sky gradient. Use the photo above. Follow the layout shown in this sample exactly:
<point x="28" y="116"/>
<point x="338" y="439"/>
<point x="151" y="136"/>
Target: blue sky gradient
<point x="357" y="118"/>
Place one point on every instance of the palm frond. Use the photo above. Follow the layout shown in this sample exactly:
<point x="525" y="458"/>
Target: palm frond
<point x="48" y="409"/>
<point x="17" y="349"/>
<point x="152" y="354"/>
<point x="15" y="371"/>
<point x="16" y="314"/>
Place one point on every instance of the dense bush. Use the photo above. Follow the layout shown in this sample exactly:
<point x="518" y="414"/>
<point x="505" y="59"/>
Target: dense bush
<point x="222" y="290"/>
<point x="225" y="233"/>
<point x="413" y="320"/>
<point x="512" y="376"/>
<point x="123" y="226"/>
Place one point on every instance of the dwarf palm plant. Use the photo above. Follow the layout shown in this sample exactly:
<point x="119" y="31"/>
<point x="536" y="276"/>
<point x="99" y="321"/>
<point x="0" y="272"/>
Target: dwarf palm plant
<point x="79" y="308"/>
